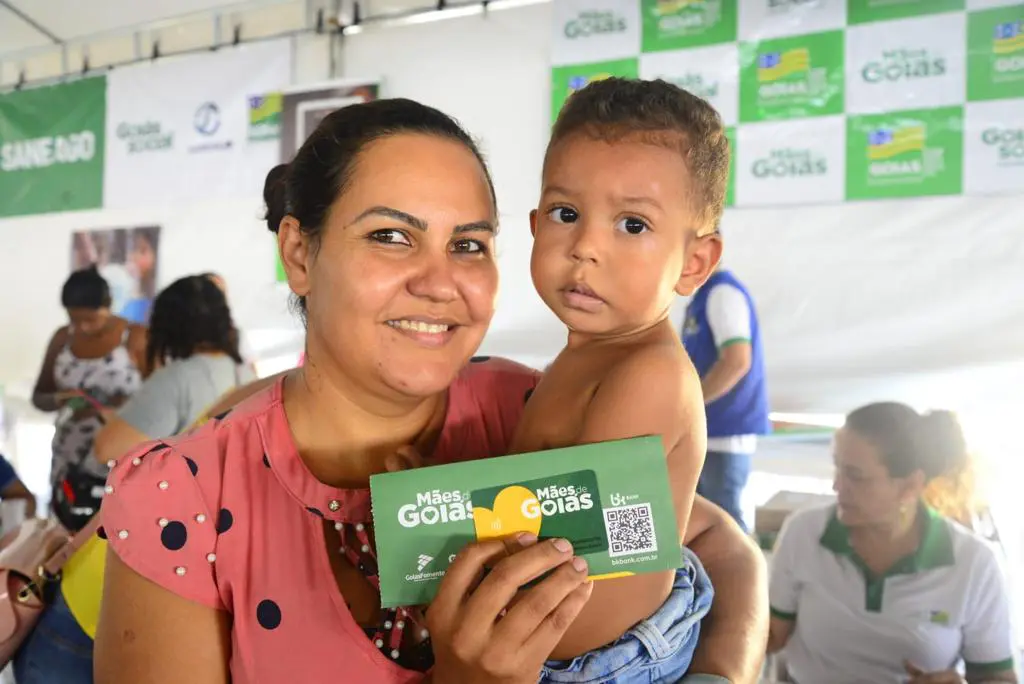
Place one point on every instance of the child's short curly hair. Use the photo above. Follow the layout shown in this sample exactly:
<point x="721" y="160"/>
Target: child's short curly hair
<point x="659" y="113"/>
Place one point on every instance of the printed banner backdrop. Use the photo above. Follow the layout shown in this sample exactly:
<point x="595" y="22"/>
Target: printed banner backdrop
<point x="825" y="100"/>
<point x="292" y="115"/>
<point x="127" y="259"/>
<point x="51" y="148"/>
<point x="179" y="129"/>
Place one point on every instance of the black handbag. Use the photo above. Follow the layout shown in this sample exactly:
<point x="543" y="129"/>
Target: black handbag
<point x="76" y="498"/>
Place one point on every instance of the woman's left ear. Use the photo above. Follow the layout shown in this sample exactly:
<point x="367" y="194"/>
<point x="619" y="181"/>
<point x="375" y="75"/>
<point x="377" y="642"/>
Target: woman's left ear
<point x="293" y="248"/>
<point x="701" y="261"/>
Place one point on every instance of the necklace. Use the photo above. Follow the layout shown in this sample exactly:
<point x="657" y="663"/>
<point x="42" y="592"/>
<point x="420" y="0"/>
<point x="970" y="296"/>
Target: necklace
<point x="401" y="634"/>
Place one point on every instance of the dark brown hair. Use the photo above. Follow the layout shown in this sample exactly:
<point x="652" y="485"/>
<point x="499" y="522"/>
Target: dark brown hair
<point x="273" y="196"/>
<point x="190" y="315"/>
<point x="85" y="289"/>
<point x="659" y="113"/>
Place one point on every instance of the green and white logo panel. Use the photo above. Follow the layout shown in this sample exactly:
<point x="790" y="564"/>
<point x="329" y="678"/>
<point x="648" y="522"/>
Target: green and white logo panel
<point x="915" y="63"/>
<point x="791" y="78"/>
<point x="989" y="4"/>
<point x="994" y="147"/>
<point x="710" y="73"/>
<point x="676" y="24"/>
<point x="52" y="143"/>
<point x="995" y="47"/>
<point x="730" y="189"/>
<point x="595" y="30"/>
<point x="915" y="153"/>
<point x="567" y="80"/>
<point x="791" y="162"/>
<point x="761" y="19"/>
<point x="864" y="11"/>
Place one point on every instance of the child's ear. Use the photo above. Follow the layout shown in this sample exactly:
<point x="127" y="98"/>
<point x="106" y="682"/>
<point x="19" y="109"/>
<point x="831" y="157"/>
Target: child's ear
<point x="533" y="222"/>
<point x="293" y="247"/>
<point x="702" y="257"/>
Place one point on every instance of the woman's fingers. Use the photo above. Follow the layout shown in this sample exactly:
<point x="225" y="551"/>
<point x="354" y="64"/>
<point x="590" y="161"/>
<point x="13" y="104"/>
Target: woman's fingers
<point x="499" y="587"/>
<point x="462" y="576"/>
<point x="547" y="635"/>
<point x="534" y="606"/>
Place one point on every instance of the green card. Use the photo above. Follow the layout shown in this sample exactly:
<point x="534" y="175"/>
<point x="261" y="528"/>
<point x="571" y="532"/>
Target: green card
<point x="789" y="78"/>
<point x="677" y="24"/>
<point x="611" y="500"/>
<point x="566" y="505"/>
<point x="995" y="54"/>
<point x="904" y="154"/>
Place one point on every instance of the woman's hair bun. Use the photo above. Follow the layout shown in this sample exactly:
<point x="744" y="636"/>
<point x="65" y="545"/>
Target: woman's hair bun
<point x="275" y="196"/>
<point x="943" y="447"/>
<point x="908" y="441"/>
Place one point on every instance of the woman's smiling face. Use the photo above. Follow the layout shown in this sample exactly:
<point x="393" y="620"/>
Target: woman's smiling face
<point x="401" y="288"/>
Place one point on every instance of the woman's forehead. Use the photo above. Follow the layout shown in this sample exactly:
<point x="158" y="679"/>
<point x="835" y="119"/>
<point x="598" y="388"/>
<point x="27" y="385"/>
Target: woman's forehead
<point x="432" y="178"/>
<point x="852" y="448"/>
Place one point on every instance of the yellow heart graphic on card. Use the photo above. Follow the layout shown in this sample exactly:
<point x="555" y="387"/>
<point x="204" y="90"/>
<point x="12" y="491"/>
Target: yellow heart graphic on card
<point x="509" y="515"/>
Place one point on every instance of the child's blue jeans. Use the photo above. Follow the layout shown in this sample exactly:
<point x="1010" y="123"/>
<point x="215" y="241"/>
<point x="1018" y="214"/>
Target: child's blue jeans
<point x="657" y="650"/>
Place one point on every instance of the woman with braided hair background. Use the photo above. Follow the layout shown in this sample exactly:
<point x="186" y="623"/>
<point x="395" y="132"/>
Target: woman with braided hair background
<point x="193" y="349"/>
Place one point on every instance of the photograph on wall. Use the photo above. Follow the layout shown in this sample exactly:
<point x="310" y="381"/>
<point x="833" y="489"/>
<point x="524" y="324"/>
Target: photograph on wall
<point x="302" y="109"/>
<point x="127" y="259"/>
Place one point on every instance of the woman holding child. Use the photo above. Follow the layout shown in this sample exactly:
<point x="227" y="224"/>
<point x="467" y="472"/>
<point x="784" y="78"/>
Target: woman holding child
<point x="243" y="552"/>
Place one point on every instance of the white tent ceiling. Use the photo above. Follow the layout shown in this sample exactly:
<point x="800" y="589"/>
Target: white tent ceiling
<point x="40" y="24"/>
<point x="72" y="19"/>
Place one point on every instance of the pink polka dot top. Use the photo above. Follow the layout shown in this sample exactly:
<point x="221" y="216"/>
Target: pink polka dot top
<point x="230" y="517"/>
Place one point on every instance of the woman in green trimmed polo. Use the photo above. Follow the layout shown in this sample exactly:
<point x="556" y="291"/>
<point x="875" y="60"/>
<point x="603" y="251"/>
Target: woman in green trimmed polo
<point x="880" y="588"/>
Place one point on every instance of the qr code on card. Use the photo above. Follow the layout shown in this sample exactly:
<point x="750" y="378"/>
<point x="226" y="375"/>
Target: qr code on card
<point x="630" y="530"/>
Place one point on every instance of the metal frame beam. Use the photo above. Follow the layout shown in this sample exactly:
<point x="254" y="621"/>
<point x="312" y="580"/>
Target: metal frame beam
<point x="31" y="22"/>
<point x="340" y="27"/>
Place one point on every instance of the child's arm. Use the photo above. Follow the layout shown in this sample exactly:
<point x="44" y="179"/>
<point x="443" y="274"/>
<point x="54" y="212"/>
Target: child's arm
<point x="653" y="392"/>
<point x="734" y="634"/>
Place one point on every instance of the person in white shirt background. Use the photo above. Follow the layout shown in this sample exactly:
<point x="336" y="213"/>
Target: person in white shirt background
<point x="879" y="587"/>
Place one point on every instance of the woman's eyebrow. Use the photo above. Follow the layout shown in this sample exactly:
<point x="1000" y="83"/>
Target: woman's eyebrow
<point x="418" y="223"/>
<point x="475" y="226"/>
<point x="396" y="214"/>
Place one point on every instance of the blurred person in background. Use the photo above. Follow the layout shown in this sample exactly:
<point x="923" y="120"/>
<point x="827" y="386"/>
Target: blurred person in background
<point x="880" y="587"/>
<point x="13" y="489"/>
<point x="723" y="338"/>
<point x="193" y="344"/>
<point x="243" y="345"/>
<point x="92" y="363"/>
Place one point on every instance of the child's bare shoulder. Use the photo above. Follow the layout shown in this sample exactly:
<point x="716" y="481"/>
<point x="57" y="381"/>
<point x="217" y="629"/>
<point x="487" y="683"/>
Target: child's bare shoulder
<point x="663" y="360"/>
<point x="649" y="389"/>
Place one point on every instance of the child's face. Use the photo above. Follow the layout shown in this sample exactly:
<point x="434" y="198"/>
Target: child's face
<point x="615" y="236"/>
